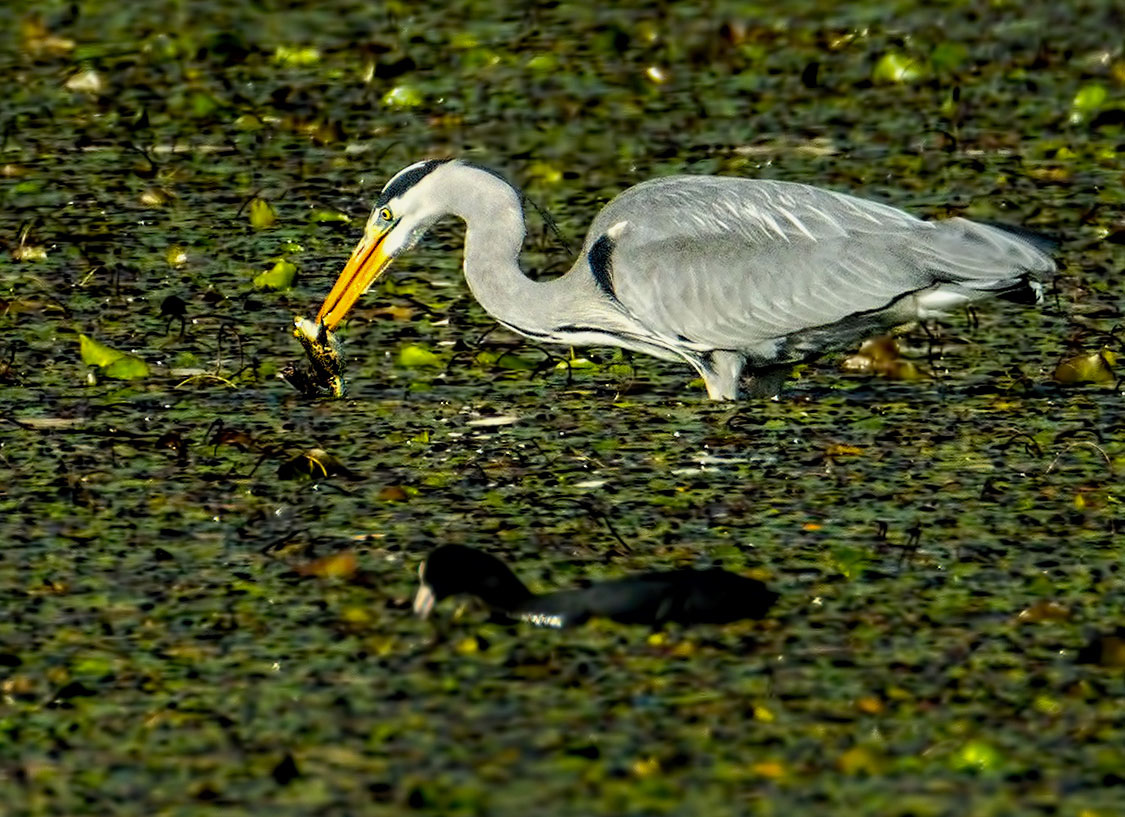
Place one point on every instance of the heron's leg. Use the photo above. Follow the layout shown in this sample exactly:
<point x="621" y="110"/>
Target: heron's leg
<point x="721" y="371"/>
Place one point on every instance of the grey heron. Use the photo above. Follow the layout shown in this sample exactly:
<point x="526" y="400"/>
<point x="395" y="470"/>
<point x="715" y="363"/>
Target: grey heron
<point x="727" y="274"/>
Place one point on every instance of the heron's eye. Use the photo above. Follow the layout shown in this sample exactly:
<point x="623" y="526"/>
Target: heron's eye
<point x="385" y="214"/>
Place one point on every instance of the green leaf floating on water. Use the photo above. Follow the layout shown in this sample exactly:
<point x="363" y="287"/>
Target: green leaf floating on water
<point x="402" y="96"/>
<point x="262" y="214"/>
<point x="576" y="363"/>
<point x="415" y="356"/>
<point x="948" y="56"/>
<point x="507" y="360"/>
<point x="543" y="63"/>
<point x="203" y="105"/>
<point x="1087" y="101"/>
<point x="127" y="367"/>
<point x="895" y="68"/>
<point x="281" y="276"/>
<point x="319" y="216"/>
<point x="979" y="755"/>
<point x="113" y="363"/>
<point x="296" y="55"/>
<point x="97" y="354"/>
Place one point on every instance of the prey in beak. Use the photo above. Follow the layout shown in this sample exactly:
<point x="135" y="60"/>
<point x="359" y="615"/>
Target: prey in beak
<point x="367" y="263"/>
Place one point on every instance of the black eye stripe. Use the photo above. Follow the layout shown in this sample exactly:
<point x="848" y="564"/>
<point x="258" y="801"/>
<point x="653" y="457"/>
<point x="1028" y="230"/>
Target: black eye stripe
<point x="404" y="181"/>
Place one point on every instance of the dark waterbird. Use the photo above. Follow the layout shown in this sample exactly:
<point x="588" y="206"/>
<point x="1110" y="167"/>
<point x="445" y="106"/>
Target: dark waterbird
<point x="683" y="596"/>
<point x="729" y="275"/>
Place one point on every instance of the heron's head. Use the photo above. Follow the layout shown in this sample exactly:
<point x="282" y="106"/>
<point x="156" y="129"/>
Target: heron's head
<point x="407" y="206"/>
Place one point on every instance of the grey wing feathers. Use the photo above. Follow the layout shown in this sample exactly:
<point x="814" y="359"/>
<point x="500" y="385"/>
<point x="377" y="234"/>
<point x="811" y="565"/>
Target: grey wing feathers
<point x="737" y="263"/>
<point x="964" y="251"/>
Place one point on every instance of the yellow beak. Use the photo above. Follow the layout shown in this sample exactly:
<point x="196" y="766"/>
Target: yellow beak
<point x="366" y="264"/>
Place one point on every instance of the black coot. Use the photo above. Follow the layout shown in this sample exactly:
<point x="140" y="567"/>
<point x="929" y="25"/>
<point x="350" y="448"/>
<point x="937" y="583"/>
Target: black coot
<point x="683" y="596"/>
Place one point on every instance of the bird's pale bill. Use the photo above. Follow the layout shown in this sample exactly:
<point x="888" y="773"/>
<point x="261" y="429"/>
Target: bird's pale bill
<point x="366" y="264"/>
<point x="423" y="601"/>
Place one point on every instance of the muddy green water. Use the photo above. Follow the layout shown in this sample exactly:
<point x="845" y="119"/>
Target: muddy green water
<point x="169" y="644"/>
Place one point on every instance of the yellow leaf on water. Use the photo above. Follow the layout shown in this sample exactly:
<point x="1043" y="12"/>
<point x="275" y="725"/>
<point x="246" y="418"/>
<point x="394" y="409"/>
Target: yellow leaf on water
<point x="880" y="355"/>
<point x="869" y="704"/>
<point x="29" y="252"/>
<point x="156" y="197"/>
<point x="176" y="256"/>
<point x="38" y="40"/>
<point x="334" y="566"/>
<point x="857" y="760"/>
<point x="355" y="615"/>
<point x="86" y="82"/>
<point x="393" y="493"/>
<point x="1044" y="611"/>
<point x="468" y="646"/>
<point x="1094" y="367"/>
<point x="772" y="769"/>
<point x="685" y="649"/>
<point x="50" y="422"/>
<point x="312" y="463"/>
<point x="395" y="313"/>
<point x="262" y="214"/>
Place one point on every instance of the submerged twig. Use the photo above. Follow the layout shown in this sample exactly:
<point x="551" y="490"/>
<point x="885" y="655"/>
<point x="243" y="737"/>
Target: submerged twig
<point x="1087" y="443"/>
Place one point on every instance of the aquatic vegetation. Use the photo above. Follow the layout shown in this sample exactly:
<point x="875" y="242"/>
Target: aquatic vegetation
<point x="207" y="577"/>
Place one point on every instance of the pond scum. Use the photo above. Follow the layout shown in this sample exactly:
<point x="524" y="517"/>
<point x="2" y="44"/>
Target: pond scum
<point x="207" y="576"/>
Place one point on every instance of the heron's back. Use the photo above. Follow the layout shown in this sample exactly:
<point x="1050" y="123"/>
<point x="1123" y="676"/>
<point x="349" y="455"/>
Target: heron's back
<point x="730" y="263"/>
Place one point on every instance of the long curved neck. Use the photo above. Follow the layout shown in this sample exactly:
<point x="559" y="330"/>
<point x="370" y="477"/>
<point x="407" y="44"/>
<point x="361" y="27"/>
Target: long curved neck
<point x="494" y="235"/>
